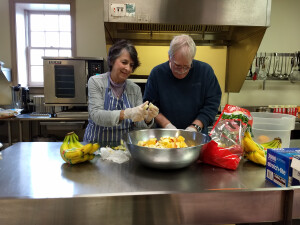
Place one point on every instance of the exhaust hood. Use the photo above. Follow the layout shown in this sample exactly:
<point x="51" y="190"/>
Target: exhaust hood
<point x="238" y="24"/>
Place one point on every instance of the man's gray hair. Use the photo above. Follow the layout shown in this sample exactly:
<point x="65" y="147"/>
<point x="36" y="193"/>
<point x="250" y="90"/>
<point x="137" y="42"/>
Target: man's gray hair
<point x="183" y="41"/>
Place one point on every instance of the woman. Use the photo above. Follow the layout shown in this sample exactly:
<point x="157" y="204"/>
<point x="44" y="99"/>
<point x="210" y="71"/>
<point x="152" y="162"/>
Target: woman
<point x="115" y="103"/>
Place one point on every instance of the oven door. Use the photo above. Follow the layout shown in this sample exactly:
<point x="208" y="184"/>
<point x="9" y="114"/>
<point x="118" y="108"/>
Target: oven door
<point x="65" y="81"/>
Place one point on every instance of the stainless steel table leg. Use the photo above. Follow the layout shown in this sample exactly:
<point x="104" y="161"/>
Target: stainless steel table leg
<point x="20" y="131"/>
<point x="288" y="207"/>
<point x="9" y="132"/>
<point x="30" y="130"/>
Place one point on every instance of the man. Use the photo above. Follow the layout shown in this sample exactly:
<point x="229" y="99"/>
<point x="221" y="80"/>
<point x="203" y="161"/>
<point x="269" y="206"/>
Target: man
<point x="185" y="90"/>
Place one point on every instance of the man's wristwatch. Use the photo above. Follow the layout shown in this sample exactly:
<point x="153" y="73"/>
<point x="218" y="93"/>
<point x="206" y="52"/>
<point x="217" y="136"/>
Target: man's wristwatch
<point x="198" y="128"/>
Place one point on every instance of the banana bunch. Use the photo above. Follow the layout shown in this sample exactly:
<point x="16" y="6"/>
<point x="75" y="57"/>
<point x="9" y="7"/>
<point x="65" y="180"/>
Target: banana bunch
<point x="254" y="151"/>
<point x="275" y="143"/>
<point x="73" y="152"/>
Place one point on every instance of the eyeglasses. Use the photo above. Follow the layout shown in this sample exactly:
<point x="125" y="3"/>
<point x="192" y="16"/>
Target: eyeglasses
<point x="179" y="67"/>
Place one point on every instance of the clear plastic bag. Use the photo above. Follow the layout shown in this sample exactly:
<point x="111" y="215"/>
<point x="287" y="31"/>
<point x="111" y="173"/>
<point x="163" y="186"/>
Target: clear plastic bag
<point x="225" y="150"/>
<point x="117" y="156"/>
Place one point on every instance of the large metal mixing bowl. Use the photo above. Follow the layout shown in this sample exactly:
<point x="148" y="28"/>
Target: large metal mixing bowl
<point x="168" y="158"/>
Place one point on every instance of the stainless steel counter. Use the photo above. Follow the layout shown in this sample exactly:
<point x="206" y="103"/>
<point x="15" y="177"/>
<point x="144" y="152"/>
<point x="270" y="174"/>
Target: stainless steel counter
<point x="37" y="187"/>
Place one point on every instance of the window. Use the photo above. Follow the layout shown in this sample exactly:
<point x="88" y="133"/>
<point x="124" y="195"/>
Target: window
<point x="39" y="29"/>
<point x="49" y="34"/>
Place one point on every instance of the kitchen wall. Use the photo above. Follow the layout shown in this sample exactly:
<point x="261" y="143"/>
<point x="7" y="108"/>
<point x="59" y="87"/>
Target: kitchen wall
<point x="90" y="28"/>
<point x="282" y="36"/>
<point x="5" y="50"/>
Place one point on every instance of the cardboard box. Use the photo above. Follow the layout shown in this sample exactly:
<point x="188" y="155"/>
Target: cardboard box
<point x="279" y="170"/>
<point x="296" y="170"/>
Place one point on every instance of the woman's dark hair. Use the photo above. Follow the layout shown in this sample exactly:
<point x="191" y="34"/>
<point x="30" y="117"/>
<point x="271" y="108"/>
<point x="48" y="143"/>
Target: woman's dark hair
<point x="115" y="51"/>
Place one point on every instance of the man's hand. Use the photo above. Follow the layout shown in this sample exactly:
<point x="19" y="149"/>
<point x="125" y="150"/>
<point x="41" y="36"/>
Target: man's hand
<point x="170" y="126"/>
<point x="191" y="128"/>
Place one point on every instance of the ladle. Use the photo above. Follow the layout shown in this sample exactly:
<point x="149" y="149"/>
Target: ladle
<point x="295" y="74"/>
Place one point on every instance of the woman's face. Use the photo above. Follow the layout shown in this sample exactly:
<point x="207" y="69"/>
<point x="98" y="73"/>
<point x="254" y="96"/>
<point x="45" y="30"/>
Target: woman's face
<point x="122" y="67"/>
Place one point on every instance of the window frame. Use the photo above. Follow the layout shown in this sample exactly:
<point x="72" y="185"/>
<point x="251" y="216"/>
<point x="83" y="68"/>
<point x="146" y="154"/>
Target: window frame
<point x="12" y="11"/>
<point x="29" y="47"/>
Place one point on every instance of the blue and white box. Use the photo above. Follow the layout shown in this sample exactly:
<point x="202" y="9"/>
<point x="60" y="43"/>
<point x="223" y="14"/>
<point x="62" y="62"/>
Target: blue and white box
<point x="279" y="167"/>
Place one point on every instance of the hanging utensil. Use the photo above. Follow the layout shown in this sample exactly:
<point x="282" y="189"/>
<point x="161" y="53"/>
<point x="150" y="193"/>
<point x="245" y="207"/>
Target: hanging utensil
<point x="262" y="71"/>
<point x="284" y="75"/>
<point x="269" y="66"/>
<point x="295" y="75"/>
<point x="261" y="67"/>
<point x="275" y="64"/>
<point x="250" y="70"/>
<point x="256" y="69"/>
<point x="290" y="65"/>
<point x="293" y="60"/>
<point x="280" y="74"/>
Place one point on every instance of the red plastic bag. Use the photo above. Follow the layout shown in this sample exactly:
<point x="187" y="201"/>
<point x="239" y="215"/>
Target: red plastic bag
<point x="221" y="157"/>
<point x="225" y="150"/>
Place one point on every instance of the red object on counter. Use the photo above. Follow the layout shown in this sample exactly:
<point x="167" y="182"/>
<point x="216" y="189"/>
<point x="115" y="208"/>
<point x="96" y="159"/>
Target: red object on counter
<point x="222" y="157"/>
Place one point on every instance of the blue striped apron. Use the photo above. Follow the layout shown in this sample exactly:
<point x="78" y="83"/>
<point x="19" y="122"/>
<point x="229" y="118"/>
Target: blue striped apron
<point x="109" y="135"/>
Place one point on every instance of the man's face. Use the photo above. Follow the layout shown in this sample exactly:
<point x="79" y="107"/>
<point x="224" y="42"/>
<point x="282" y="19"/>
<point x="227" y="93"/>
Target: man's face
<point x="180" y="65"/>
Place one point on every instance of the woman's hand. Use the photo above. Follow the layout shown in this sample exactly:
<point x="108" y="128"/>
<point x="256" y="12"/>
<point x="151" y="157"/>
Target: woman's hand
<point x="152" y="112"/>
<point x="137" y="113"/>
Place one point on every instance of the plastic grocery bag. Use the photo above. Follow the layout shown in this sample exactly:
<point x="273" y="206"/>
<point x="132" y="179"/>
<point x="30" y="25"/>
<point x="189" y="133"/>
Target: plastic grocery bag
<point x="225" y="150"/>
<point x="117" y="156"/>
<point x="8" y="113"/>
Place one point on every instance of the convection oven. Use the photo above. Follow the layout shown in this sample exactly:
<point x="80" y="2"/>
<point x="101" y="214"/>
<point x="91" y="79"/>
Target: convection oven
<point x="65" y="79"/>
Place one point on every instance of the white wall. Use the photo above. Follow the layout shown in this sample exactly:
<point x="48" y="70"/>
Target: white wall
<point x="283" y="36"/>
<point x="275" y="93"/>
<point x="284" y="33"/>
<point x="90" y="28"/>
<point x="5" y="49"/>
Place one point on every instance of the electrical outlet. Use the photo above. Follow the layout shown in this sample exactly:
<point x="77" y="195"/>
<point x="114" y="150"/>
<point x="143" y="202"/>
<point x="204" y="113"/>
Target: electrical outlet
<point x="117" y="9"/>
<point x="143" y="18"/>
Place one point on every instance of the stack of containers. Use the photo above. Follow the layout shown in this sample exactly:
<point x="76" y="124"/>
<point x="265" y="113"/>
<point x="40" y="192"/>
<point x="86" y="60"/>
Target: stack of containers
<point x="285" y="109"/>
<point x="273" y="125"/>
<point x="39" y="103"/>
